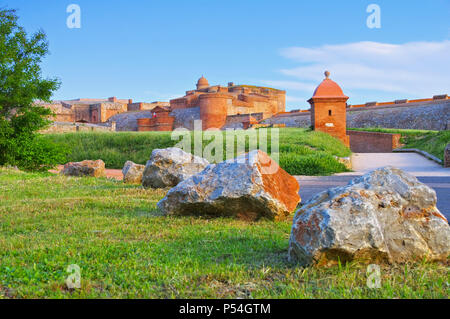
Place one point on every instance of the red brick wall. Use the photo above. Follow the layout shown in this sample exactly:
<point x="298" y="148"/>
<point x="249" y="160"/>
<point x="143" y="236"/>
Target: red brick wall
<point x="162" y="122"/>
<point x="373" y="142"/>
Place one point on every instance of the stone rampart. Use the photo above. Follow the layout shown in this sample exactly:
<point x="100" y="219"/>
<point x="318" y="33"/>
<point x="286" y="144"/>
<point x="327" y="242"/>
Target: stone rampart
<point x="429" y="115"/>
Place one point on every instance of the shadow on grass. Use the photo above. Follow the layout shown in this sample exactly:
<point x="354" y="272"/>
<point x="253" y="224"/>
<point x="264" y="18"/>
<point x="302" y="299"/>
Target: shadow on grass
<point x="209" y="241"/>
<point x="231" y="250"/>
<point x="131" y="212"/>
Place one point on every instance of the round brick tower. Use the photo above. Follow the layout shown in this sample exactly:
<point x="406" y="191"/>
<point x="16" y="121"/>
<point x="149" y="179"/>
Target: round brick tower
<point x="329" y="108"/>
<point x="213" y="110"/>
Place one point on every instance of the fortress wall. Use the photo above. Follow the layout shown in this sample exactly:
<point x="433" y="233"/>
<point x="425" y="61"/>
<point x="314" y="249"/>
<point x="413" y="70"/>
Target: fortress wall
<point x="55" y="107"/>
<point x="128" y="121"/>
<point x="142" y="106"/>
<point x="163" y="122"/>
<point x="178" y="103"/>
<point x="422" y="116"/>
<point x="233" y="119"/>
<point x="235" y="110"/>
<point x="64" y="117"/>
<point x="151" y="106"/>
<point x="192" y="100"/>
<point x="239" y="102"/>
<point x="134" y="107"/>
<point x="108" y="109"/>
<point x="291" y="120"/>
<point x="185" y="102"/>
<point x="82" y="113"/>
<point x="281" y="102"/>
<point x="213" y="109"/>
<point x="185" y="117"/>
<point x="268" y="108"/>
<point x="109" y="113"/>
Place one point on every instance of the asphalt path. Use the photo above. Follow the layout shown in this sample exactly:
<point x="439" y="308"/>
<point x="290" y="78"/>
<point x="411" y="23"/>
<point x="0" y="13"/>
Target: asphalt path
<point x="425" y="170"/>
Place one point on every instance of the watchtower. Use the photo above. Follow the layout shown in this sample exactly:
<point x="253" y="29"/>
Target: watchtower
<point x="329" y="108"/>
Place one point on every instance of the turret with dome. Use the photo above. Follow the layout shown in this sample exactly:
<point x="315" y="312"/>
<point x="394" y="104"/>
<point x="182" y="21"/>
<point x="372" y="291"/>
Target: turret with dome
<point x="329" y="109"/>
<point x="328" y="88"/>
<point x="202" y="83"/>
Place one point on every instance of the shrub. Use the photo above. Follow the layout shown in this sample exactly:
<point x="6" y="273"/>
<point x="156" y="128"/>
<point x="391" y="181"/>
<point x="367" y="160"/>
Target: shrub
<point x="21" y="84"/>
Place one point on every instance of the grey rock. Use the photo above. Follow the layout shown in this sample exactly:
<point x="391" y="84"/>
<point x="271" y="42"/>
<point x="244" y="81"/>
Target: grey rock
<point x="168" y="167"/>
<point x="250" y="187"/>
<point x="384" y="216"/>
<point x="132" y="173"/>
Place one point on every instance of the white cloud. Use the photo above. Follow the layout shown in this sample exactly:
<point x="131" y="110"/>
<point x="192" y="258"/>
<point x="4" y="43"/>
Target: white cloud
<point x="414" y="69"/>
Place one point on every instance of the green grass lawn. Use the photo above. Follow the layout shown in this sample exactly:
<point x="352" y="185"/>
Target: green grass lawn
<point x="432" y="142"/>
<point x="127" y="249"/>
<point x="302" y="151"/>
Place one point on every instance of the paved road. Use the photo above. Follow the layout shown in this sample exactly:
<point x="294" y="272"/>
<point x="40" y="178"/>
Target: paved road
<point x="410" y="162"/>
<point x="426" y="171"/>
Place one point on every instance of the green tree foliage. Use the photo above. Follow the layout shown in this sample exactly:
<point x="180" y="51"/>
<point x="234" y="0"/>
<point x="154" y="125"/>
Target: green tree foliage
<point x="21" y="85"/>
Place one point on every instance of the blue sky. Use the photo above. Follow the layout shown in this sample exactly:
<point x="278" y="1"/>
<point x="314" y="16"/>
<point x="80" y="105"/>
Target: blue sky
<point x="156" y="50"/>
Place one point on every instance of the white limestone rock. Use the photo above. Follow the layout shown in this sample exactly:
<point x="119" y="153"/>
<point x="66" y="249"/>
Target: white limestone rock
<point x="168" y="167"/>
<point x="384" y="216"/>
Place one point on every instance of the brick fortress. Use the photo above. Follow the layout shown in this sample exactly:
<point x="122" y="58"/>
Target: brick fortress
<point x="219" y="106"/>
<point x="96" y="111"/>
<point x="245" y="106"/>
<point x="216" y="106"/>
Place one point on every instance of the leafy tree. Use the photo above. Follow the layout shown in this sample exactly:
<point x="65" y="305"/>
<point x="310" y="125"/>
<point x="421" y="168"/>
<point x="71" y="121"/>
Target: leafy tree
<point x="21" y="85"/>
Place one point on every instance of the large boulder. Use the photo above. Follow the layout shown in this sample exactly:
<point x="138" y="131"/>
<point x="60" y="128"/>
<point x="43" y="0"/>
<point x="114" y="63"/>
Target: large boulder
<point x="384" y="216"/>
<point x="85" y="168"/>
<point x="249" y="187"/>
<point x="167" y="167"/>
<point x="132" y="173"/>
